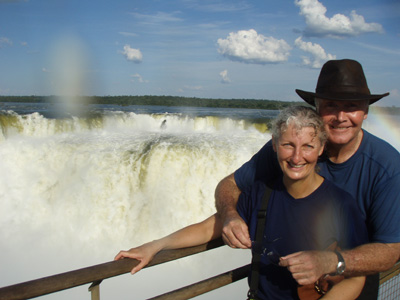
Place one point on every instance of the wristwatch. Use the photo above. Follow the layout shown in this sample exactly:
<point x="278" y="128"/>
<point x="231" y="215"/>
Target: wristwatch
<point x="341" y="264"/>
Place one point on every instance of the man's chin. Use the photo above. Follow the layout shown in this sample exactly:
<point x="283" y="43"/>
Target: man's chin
<point x="340" y="137"/>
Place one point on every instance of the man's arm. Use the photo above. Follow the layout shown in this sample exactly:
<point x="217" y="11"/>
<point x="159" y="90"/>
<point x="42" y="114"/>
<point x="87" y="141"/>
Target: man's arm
<point x="307" y="266"/>
<point x="235" y="232"/>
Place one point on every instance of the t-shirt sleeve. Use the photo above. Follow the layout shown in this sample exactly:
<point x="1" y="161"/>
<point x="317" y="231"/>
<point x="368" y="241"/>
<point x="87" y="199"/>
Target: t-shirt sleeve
<point x="248" y="205"/>
<point x="262" y="166"/>
<point x="246" y="174"/>
<point x="384" y="213"/>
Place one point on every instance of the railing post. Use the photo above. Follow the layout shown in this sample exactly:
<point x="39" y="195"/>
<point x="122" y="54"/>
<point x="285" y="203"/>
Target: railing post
<point x="94" y="289"/>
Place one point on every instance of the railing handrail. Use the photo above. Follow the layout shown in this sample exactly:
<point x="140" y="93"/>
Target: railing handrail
<point x="206" y="285"/>
<point x="59" y="282"/>
<point x="95" y="274"/>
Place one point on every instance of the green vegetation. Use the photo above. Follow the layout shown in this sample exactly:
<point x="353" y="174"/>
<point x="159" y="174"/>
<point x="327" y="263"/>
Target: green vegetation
<point x="183" y="101"/>
<point x="162" y="101"/>
<point x="197" y="102"/>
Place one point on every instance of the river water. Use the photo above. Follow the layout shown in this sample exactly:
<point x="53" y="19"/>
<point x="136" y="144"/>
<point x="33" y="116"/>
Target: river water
<point x="78" y="186"/>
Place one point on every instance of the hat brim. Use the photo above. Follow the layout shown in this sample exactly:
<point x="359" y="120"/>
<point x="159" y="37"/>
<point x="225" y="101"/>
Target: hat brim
<point x="309" y="97"/>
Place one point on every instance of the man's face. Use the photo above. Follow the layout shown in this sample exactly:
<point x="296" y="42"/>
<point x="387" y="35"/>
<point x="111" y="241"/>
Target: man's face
<point x="342" y="119"/>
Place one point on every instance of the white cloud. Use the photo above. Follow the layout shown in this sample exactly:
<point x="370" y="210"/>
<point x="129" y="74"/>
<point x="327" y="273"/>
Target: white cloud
<point x="159" y="17"/>
<point x="5" y="42"/>
<point x="250" y="47"/>
<point x="224" y="76"/>
<point x="379" y="48"/>
<point x="124" y="33"/>
<point x="132" y="54"/>
<point x="139" y="78"/>
<point x="215" y="7"/>
<point x="318" y="54"/>
<point x="45" y="70"/>
<point x="318" y="24"/>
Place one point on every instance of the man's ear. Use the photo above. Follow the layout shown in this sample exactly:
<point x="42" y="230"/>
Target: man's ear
<point x="321" y="151"/>
<point x="366" y="112"/>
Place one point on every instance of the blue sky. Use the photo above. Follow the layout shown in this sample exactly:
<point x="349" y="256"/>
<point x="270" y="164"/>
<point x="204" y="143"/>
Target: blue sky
<point x="198" y="48"/>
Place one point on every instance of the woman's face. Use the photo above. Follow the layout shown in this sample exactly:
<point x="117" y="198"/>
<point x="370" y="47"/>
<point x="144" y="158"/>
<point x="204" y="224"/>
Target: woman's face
<point x="298" y="152"/>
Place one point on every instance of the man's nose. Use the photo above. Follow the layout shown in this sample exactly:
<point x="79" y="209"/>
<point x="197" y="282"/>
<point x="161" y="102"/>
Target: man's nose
<point x="341" y="115"/>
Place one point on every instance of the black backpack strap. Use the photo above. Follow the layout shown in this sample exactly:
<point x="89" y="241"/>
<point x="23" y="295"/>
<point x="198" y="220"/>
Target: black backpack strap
<point x="255" y="262"/>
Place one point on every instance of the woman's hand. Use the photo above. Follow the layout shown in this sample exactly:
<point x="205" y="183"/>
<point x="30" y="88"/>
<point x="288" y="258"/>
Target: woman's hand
<point x="144" y="254"/>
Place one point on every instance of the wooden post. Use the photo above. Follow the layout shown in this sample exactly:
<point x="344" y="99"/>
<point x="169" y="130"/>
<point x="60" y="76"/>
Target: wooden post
<point x="94" y="289"/>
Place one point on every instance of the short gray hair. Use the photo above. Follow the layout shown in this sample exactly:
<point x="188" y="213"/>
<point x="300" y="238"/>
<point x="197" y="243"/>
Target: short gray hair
<point x="300" y="117"/>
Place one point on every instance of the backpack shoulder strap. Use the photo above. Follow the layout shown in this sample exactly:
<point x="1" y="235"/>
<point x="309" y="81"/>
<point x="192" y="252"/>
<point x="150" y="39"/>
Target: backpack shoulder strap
<point x="255" y="262"/>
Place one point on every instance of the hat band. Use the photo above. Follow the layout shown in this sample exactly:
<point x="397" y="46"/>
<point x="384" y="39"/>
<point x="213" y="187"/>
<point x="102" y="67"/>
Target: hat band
<point x="343" y="89"/>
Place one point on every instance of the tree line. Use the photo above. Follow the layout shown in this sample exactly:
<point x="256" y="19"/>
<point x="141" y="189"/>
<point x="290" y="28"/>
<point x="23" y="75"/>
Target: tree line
<point x="182" y="101"/>
<point x="161" y="101"/>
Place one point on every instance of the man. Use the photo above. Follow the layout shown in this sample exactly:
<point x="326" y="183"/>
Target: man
<point x="355" y="160"/>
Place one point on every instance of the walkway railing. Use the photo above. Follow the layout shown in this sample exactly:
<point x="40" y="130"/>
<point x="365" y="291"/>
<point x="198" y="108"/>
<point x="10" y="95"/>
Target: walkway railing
<point x="95" y="275"/>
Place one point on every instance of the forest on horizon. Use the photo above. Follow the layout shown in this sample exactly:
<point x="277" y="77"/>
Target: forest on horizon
<point x="179" y="101"/>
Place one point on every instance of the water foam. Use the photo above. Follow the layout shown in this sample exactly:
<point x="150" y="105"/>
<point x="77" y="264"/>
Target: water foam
<point x="75" y="191"/>
<point x="37" y="125"/>
<point x="85" y="192"/>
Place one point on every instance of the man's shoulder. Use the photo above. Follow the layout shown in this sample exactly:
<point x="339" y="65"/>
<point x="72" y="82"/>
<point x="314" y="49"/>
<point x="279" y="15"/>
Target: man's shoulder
<point x="378" y="150"/>
<point x="378" y="145"/>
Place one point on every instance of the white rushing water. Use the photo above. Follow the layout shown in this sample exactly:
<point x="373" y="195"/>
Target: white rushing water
<point x="73" y="192"/>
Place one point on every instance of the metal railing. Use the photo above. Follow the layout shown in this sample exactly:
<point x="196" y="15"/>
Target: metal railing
<point x="95" y="275"/>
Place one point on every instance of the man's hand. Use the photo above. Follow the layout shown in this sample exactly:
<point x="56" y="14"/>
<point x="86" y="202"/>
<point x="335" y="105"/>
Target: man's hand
<point x="308" y="266"/>
<point x="235" y="232"/>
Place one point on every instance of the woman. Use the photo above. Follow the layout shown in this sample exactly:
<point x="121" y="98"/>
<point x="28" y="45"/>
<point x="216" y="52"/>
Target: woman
<point x="305" y="212"/>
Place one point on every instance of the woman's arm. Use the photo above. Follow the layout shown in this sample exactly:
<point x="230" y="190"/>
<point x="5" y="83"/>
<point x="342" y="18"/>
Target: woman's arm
<point x="348" y="289"/>
<point x="191" y="235"/>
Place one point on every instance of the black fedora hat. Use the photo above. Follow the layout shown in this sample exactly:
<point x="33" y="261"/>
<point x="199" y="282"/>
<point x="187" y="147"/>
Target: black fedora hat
<point x="341" y="80"/>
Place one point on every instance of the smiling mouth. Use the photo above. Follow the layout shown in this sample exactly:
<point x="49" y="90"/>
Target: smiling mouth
<point x="339" y="128"/>
<point x="295" y="166"/>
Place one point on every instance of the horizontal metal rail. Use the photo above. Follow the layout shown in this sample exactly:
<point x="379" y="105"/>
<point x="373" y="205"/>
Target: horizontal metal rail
<point x="95" y="275"/>
<point x="205" y="286"/>
<point x="59" y="282"/>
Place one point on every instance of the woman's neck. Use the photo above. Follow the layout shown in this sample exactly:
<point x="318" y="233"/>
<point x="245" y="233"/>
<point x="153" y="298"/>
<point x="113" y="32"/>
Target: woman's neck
<point x="302" y="188"/>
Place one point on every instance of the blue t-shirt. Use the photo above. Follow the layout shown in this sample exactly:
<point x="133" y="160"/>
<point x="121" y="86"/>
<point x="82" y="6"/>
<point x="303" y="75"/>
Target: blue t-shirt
<point x="371" y="176"/>
<point x="312" y="223"/>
